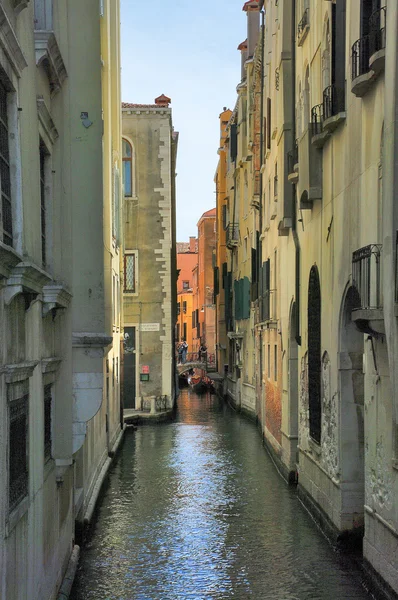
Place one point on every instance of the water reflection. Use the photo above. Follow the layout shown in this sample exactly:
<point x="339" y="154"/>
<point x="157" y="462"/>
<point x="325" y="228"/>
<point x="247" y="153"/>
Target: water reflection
<point x="195" y="510"/>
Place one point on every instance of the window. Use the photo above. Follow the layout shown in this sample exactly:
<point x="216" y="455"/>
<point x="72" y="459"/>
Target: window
<point x="184" y="329"/>
<point x="116" y="206"/>
<point x="269" y="360"/>
<point x="314" y="354"/>
<point x="18" y="396"/>
<point x="130" y="273"/>
<point x="43" y="157"/>
<point x="276" y="362"/>
<point x="127" y="168"/>
<point x="178" y="308"/>
<point x="185" y="285"/>
<point x="184" y="307"/>
<point x="269" y="123"/>
<point x="6" y="216"/>
<point x="47" y="422"/>
<point x="178" y="332"/>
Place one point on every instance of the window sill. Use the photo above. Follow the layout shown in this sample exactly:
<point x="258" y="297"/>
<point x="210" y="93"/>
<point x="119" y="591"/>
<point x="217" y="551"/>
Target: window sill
<point x="16" y="515"/>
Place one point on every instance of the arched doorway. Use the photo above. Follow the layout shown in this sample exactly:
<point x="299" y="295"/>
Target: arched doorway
<point x="314" y="354"/>
<point x="293" y="388"/>
<point x="351" y="387"/>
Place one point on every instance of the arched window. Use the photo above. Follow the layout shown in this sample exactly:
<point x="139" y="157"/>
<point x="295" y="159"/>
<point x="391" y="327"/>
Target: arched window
<point x="306" y="99"/>
<point x="326" y="57"/>
<point x="314" y="354"/>
<point x="127" y="168"/>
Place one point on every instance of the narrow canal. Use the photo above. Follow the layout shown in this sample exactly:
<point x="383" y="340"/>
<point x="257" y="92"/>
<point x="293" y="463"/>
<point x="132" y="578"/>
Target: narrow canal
<point x="195" y="510"/>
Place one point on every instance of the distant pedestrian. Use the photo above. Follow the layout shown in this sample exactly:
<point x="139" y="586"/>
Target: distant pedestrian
<point x="184" y="352"/>
<point x="180" y="350"/>
<point x="202" y="353"/>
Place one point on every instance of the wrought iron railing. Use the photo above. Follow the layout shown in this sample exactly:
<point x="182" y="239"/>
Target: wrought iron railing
<point x="377" y="26"/>
<point x="366" y="275"/>
<point x="232" y="234"/>
<point x="18" y="451"/>
<point x="305" y="20"/>
<point x="317" y="119"/>
<point x="161" y="403"/>
<point x="202" y="357"/>
<point x="276" y="186"/>
<point x="292" y="158"/>
<point x="360" y="57"/>
<point x="277" y="79"/>
<point x="333" y="101"/>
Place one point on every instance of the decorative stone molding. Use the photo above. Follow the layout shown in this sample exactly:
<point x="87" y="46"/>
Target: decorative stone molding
<point x="49" y="56"/>
<point x="91" y="340"/>
<point x="8" y="259"/>
<point x="10" y="44"/>
<point x="55" y="297"/>
<point x="50" y="365"/>
<point x="46" y="120"/>
<point x="18" y="372"/>
<point x="25" y="278"/>
<point x="20" y="5"/>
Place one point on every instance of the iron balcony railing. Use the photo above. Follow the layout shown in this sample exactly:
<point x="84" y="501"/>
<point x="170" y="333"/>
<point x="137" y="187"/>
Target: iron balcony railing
<point x="304" y="22"/>
<point x="292" y="158"/>
<point x="360" y="57"/>
<point x="232" y="234"/>
<point x="377" y="26"/>
<point x="317" y="119"/>
<point x="333" y="101"/>
<point x="366" y="275"/>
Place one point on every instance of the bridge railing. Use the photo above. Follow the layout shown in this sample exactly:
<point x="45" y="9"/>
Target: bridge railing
<point x="199" y="357"/>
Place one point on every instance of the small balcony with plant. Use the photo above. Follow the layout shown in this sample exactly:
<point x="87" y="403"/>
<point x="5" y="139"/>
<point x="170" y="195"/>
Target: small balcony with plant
<point x="367" y="281"/>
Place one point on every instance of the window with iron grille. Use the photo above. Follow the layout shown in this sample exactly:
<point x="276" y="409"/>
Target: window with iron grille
<point x="43" y="202"/>
<point x="18" y="449"/>
<point x="6" y="206"/>
<point x="314" y="354"/>
<point x="129" y="273"/>
<point x="47" y="421"/>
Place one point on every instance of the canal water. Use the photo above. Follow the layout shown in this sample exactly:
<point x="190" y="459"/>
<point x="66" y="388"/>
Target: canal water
<point x="195" y="510"/>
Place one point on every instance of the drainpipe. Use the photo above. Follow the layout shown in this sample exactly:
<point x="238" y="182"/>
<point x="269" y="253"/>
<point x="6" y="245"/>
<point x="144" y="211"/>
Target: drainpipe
<point x="294" y="225"/>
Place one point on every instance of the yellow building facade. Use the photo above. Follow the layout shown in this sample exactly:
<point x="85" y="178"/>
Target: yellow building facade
<point x="318" y="79"/>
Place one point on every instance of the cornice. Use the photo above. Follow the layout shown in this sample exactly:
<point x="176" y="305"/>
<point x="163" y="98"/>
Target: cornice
<point x="8" y="259"/>
<point x="50" y="365"/>
<point x="91" y="340"/>
<point x="46" y="120"/>
<point x="10" y="44"/>
<point x="25" y="278"/>
<point x="49" y="55"/>
<point x="18" y="372"/>
<point x="55" y="296"/>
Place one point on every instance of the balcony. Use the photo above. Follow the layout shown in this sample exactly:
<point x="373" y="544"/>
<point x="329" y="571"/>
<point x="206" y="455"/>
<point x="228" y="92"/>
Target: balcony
<point x="293" y="164"/>
<point x="377" y="40"/>
<point x="366" y="277"/>
<point x="310" y="160"/>
<point x="232" y="238"/>
<point x="48" y="54"/>
<point x="319" y="135"/>
<point x="361" y="74"/>
<point x="303" y="27"/>
<point x="333" y="107"/>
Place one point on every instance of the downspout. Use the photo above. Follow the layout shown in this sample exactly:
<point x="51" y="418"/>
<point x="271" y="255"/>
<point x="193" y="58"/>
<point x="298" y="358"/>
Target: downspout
<point x="294" y="224"/>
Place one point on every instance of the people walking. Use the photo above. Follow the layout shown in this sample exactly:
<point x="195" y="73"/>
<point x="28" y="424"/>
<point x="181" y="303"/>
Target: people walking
<point x="184" y="346"/>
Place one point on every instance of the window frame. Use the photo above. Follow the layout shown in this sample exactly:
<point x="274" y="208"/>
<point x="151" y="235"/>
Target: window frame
<point x="134" y="254"/>
<point x="131" y="160"/>
<point x="17" y="394"/>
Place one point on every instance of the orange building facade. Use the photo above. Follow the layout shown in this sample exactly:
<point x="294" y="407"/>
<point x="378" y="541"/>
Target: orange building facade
<point x="187" y="259"/>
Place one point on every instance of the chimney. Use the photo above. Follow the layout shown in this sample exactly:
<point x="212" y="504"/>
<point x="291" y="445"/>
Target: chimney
<point x="243" y="49"/>
<point x="192" y="244"/>
<point x="253" y="25"/>
<point x="162" y="101"/>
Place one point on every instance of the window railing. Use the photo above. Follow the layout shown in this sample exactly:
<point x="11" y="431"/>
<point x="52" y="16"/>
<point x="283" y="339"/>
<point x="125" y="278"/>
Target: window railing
<point x="366" y="275"/>
<point x="232" y="234"/>
<point x="377" y="26"/>
<point x="305" y="20"/>
<point x="292" y="158"/>
<point x="317" y="119"/>
<point x="360" y="57"/>
<point x="333" y="101"/>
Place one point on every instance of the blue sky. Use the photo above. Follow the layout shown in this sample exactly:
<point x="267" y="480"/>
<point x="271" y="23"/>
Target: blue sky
<point x="188" y="51"/>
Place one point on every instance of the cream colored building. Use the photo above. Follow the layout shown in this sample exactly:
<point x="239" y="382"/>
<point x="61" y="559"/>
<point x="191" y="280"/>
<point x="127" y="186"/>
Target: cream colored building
<point x="325" y="317"/>
<point x="150" y="265"/>
<point x="55" y="302"/>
